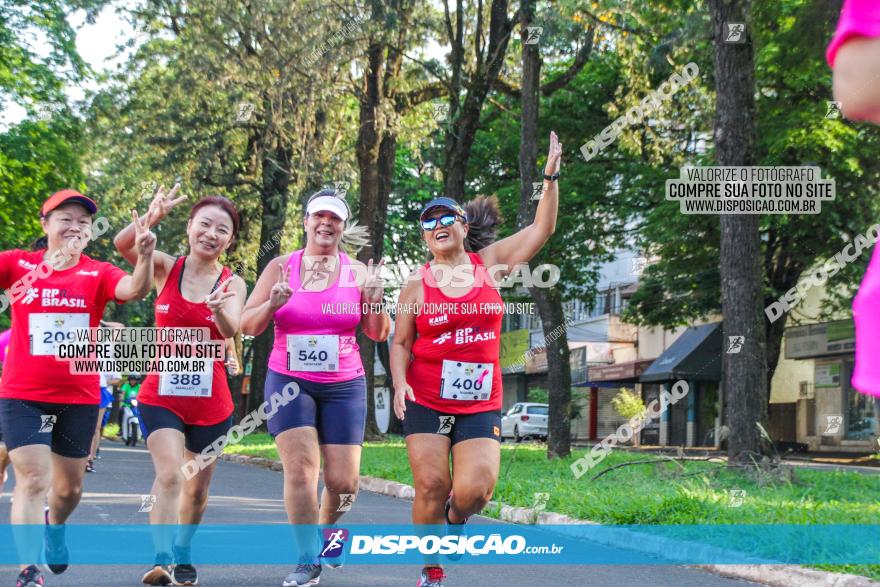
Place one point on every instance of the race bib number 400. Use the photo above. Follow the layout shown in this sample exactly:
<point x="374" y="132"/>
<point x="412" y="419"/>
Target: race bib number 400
<point x="47" y="330"/>
<point x="313" y="352"/>
<point x="466" y="381"/>
<point x="187" y="384"/>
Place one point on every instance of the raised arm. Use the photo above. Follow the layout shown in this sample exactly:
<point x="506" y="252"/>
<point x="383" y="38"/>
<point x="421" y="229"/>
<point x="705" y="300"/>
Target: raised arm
<point x="375" y="321"/>
<point x="137" y="285"/>
<point x="125" y="243"/>
<point x="525" y="244"/>
<point x="855" y="79"/>
<point x="271" y="292"/>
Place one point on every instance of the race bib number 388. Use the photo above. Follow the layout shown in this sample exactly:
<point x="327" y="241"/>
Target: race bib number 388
<point x="187" y="384"/>
<point x="313" y="352"/>
<point x="47" y="330"/>
<point x="466" y="381"/>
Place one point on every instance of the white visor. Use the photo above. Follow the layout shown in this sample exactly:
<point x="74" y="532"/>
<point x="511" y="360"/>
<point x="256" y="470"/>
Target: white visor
<point x="328" y="204"/>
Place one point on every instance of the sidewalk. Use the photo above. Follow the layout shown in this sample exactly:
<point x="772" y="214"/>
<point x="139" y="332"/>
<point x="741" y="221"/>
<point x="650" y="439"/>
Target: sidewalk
<point x="821" y="461"/>
<point x="771" y="575"/>
<point x="249" y="495"/>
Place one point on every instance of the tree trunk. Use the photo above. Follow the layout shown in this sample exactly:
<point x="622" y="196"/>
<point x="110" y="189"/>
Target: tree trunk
<point x="549" y="302"/>
<point x="376" y="151"/>
<point x="775" y="331"/>
<point x="373" y="213"/>
<point x="274" y="196"/>
<point x="744" y="374"/>
<point x="462" y="127"/>
<point x="784" y="271"/>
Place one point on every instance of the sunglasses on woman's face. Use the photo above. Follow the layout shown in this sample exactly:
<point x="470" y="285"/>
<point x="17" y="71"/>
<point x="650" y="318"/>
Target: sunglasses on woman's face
<point x="445" y="220"/>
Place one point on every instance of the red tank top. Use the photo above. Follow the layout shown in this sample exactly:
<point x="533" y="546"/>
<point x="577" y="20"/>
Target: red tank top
<point x="173" y="310"/>
<point x="458" y="346"/>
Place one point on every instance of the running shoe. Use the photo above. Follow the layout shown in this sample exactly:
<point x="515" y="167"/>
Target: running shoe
<point x="431" y="577"/>
<point x="57" y="555"/>
<point x="305" y="574"/>
<point x="184" y="574"/>
<point x="158" y="575"/>
<point x="456" y="529"/>
<point x="30" y="577"/>
<point x="90" y="466"/>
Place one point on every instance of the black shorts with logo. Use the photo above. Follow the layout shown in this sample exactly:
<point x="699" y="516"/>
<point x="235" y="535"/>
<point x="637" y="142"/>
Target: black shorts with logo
<point x="420" y="419"/>
<point x="196" y="438"/>
<point x="67" y="429"/>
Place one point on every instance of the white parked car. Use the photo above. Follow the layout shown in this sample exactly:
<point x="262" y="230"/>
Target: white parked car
<point x="525" y="419"/>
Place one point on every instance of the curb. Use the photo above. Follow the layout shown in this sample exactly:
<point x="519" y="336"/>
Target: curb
<point x="770" y="575"/>
<point x="788" y="575"/>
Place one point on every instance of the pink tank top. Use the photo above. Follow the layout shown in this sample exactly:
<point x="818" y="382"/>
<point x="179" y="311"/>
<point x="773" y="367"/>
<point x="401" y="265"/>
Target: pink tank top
<point x="866" y="315"/>
<point x="334" y="311"/>
<point x="858" y="18"/>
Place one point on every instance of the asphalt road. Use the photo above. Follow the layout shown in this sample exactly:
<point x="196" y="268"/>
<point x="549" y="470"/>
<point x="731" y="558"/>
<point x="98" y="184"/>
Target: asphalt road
<point x="242" y="494"/>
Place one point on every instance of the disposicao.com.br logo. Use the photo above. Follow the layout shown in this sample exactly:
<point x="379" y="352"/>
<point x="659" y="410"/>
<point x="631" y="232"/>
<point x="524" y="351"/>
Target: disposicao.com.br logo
<point x="475" y="545"/>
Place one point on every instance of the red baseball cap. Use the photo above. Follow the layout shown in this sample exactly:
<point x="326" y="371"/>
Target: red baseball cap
<point x="64" y="196"/>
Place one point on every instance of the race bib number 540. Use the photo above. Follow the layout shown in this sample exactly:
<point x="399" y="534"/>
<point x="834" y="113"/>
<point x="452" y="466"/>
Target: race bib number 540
<point x="313" y="352"/>
<point x="466" y="381"/>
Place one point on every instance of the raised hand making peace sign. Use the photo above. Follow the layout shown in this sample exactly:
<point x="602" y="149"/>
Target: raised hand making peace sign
<point x="216" y="300"/>
<point x="145" y="240"/>
<point x="281" y="291"/>
<point x="374" y="286"/>
<point x="162" y="204"/>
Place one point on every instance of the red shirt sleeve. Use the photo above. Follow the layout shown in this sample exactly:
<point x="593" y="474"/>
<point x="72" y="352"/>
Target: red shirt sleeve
<point x="8" y="259"/>
<point x="111" y="276"/>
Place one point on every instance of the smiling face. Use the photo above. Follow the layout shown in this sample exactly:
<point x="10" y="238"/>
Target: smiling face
<point x="324" y="228"/>
<point x="445" y="239"/>
<point x="69" y="225"/>
<point x="210" y="232"/>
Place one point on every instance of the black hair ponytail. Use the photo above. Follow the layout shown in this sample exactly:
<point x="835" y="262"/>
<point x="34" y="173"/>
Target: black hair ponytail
<point x="483" y="216"/>
<point x="40" y="243"/>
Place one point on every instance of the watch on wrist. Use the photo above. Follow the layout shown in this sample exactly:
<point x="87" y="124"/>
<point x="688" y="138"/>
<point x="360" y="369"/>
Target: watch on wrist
<point x="553" y="177"/>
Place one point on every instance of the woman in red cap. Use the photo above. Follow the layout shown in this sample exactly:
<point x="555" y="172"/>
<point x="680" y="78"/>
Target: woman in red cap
<point x="48" y="415"/>
<point x="446" y="349"/>
<point x="184" y="413"/>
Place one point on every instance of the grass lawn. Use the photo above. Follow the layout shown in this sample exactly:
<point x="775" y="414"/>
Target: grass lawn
<point x="658" y="493"/>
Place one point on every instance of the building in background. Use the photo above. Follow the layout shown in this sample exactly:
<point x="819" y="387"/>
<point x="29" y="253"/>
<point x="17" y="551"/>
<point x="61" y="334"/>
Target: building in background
<point x="608" y="354"/>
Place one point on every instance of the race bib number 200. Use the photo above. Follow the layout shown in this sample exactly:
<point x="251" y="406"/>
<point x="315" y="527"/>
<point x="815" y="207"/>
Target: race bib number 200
<point x="466" y="381"/>
<point x="47" y="330"/>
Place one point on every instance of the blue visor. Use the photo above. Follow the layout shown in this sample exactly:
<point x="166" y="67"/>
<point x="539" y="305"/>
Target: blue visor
<point x="443" y="203"/>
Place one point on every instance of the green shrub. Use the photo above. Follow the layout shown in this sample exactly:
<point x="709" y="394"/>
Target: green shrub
<point x="628" y="403"/>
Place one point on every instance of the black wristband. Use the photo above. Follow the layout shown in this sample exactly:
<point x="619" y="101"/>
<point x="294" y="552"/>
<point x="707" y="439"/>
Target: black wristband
<point x="553" y="177"/>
